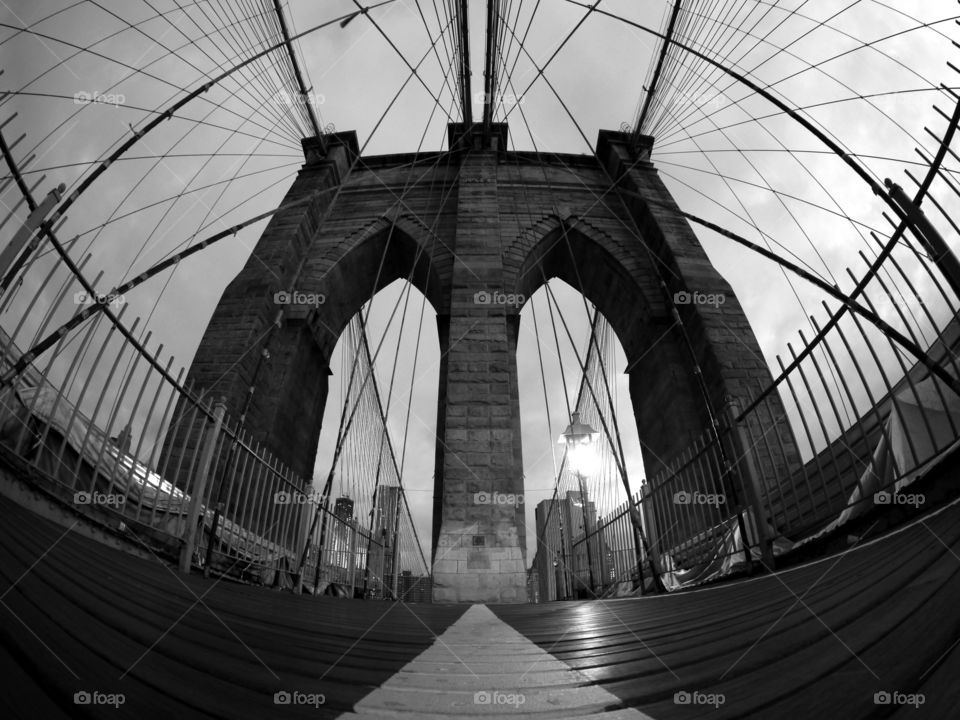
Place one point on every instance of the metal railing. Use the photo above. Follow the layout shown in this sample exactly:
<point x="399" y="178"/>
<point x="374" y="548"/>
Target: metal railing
<point x="857" y="412"/>
<point x="702" y="518"/>
<point x="251" y="511"/>
<point x="100" y="420"/>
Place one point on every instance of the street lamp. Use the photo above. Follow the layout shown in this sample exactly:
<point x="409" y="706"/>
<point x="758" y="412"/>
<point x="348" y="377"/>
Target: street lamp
<point x="559" y="579"/>
<point x="581" y="454"/>
<point x="578" y="437"/>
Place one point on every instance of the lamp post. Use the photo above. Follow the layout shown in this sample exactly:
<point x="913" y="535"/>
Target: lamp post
<point x="562" y="556"/>
<point x="559" y="579"/>
<point x="578" y="438"/>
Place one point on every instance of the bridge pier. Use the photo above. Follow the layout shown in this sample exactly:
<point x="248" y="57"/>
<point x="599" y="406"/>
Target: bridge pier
<point x="478" y="231"/>
<point x="480" y="548"/>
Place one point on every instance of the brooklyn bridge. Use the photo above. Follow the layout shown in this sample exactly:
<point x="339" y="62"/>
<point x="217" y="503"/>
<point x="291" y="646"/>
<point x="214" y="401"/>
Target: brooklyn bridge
<point x="446" y="359"/>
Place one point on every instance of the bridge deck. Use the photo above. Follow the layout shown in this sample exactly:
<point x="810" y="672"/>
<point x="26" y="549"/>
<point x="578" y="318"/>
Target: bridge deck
<point x="818" y="640"/>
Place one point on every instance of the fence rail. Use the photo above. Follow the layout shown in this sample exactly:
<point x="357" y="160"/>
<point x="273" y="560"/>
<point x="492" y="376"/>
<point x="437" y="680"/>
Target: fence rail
<point x="103" y="420"/>
<point x="862" y="404"/>
<point x="698" y="516"/>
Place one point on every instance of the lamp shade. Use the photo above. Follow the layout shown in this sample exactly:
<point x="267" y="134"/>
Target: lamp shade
<point x="577" y="433"/>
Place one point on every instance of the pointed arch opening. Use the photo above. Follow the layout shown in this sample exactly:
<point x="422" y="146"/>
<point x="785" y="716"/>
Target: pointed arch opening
<point x="374" y="460"/>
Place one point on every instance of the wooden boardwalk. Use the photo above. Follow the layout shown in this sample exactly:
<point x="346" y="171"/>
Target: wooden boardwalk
<point x="818" y="641"/>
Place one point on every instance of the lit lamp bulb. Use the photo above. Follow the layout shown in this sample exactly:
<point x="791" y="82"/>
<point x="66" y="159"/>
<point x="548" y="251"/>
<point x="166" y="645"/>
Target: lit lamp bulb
<point x="581" y="451"/>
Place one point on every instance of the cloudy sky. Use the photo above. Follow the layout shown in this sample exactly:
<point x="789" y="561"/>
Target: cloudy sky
<point x="726" y="154"/>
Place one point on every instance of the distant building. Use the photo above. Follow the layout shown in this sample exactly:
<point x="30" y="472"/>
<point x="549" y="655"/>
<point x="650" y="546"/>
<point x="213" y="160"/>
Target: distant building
<point x="562" y="560"/>
<point x="341" y="544"/>
<point x="533" y="583"/>
<point x="415" y="588"/>
<point x="381" y="562"/>
<point x="548" y="543"/>
<point x="343" y="508"/>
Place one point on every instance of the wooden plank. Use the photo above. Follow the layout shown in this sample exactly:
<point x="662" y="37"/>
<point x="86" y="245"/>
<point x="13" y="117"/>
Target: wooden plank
<point x="99" y="610"/>
<point x="75" y="606"/>
<point x="882" y="603"/>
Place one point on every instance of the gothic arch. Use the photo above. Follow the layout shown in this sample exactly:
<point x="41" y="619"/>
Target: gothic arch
<point x="478" y="199"/>
<point x="348" y="271"/>
<point x="590" y="261"/>
<point x="668" y="405"/>
<point x="290" y="388"/>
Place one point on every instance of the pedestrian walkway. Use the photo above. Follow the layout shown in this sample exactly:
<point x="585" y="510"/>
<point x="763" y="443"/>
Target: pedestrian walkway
<point x="482" y="666"/>
<point x="89" y="631"/>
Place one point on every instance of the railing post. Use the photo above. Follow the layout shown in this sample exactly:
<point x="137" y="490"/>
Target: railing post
<point x="586" y="534"/>
<point x="321" y="506"/>
<point x="199" y="487"/>
<point x="395" y="557"/>
<point x="564" y="566"/>
<point x="928" y="235"/>
<point x="648" y="546"/>
<point x="354" y="544"/>
<point x="749" y="476"/>
<point x="558" y="578"/>
<point x="12" y="257"/>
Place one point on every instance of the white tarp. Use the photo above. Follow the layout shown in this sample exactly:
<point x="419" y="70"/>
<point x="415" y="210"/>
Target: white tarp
<point x="921" y="426"/>
<point x="727" y="554"/>
<point x="909" y="445"/>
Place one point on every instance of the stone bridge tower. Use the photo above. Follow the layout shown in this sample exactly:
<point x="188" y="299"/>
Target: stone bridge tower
<point x="480" y="219"/>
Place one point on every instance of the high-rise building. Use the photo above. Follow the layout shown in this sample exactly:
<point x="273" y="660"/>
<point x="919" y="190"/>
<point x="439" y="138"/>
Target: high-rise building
<point x="385" y="515"/>
<point x="562" y="560"/>
<point x="586" y="544"/>
<point x="548" y="516"/>
<point x="342" y="542"/>
<point x="382" y="557"/>
<point x="533" y="582"/>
